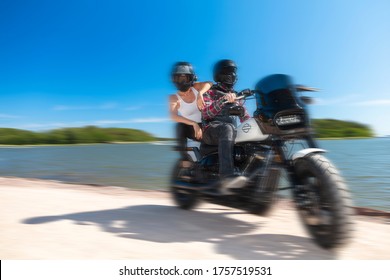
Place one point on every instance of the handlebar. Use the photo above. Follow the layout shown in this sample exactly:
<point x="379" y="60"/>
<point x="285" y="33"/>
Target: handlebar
<point x="246" y="93"/>
<point x="243" y="94"/>
<point x="249" y="92"/>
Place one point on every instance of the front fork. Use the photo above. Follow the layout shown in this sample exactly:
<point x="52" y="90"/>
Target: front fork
<point x="311" y="141"/>
<point x="288" y="163"/>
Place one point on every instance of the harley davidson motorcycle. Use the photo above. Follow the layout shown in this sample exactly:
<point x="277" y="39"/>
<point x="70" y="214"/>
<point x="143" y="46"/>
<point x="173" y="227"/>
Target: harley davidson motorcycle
<point x="277" y="142"/>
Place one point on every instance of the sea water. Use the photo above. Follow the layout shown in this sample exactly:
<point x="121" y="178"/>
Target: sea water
<point x="364" y="164"/>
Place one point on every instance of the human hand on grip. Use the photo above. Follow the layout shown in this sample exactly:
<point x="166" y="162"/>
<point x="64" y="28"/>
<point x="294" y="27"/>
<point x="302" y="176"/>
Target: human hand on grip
<point x="230" y="97"/>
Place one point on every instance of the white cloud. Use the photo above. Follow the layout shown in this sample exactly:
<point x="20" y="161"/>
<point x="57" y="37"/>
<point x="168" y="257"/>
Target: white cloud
<point x="69" y="108"/>
<point x="151" y="120"/>
<point x="52" y="125"/>
<point x="130" y="121"/>
<point x="105" y="106"/>
<point x="6" y="116"/>
<point x="343" y="100"/>
<point x="134" y="108"/>
<point x="97" y="123"/>
<point x="351" y="100"/>
<point x="376" y="102"/>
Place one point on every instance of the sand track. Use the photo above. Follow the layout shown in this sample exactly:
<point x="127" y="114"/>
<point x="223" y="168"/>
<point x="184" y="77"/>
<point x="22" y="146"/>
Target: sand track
<point x="51" y="220"/>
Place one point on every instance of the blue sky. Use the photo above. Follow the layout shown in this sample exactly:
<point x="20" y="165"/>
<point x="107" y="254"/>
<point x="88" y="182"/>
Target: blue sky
<point x="107" y="63"/>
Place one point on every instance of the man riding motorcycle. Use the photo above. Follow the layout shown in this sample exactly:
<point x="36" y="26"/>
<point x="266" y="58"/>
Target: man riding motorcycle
<point x="262" y="148"/>
<point x="218" y="124"/>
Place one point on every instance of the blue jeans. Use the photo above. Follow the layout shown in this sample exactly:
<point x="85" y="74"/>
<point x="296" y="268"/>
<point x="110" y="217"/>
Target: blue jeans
<point x="222" y="134"/>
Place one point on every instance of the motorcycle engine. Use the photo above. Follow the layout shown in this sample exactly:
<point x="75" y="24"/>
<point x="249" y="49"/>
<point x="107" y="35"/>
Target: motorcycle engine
<point x="209" y="168"/>
<point x="239" y="154"/>
<point x="251" y="157"/>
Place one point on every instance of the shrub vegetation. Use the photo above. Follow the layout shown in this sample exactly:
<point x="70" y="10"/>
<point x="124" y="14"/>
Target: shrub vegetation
<point x="82" y="135"/>
<point x="323" y="128"/>
<point x="328" y="128"/>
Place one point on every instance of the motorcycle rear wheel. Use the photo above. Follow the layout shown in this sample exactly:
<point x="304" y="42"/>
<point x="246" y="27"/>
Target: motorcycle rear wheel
<point x="323" y="201"/>
<point x="183" y="198"/>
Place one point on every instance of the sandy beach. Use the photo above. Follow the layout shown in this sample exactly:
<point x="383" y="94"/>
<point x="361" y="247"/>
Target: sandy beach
<point x="47" y="220"/>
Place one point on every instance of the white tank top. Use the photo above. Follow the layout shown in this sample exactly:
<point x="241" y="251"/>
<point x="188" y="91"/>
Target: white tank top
<point x="190" y="110"/>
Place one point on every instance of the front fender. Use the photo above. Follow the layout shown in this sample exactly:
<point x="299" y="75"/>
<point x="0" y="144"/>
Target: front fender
<point x="305" y="152"/>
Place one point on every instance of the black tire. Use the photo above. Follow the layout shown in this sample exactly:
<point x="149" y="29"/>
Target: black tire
<point x="183" y="198"/>
<point x="323" y="201"/>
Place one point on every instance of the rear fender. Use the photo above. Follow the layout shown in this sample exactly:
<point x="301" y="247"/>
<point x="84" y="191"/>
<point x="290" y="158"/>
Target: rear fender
<point x="305" y="152"/>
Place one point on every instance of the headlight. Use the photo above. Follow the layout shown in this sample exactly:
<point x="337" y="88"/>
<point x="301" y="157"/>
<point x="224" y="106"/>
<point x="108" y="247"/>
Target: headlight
<point x="288" y="120"/>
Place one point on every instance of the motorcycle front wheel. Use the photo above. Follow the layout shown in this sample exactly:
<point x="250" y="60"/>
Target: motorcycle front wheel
<point x="323" y="201"/>
<point x="184" y="198"/>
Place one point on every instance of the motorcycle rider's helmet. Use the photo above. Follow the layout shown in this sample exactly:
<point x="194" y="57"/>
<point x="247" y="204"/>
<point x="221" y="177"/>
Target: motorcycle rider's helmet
<point x="225" y="73"/>
<point x="183" y="76"/>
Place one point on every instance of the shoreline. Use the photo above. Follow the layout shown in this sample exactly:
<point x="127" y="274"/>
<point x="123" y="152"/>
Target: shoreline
<point x="78" y="144"/>
<point x="169" y="140"/>
<point x="359" y="210"/>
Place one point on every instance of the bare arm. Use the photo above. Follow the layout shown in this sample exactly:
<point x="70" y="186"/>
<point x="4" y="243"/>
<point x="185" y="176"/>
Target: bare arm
<point x="202" y="88"/>
<point x="212" y="106"/>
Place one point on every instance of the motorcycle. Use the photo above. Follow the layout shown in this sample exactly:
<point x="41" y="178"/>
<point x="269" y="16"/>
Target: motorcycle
<point x="276" y="142"/>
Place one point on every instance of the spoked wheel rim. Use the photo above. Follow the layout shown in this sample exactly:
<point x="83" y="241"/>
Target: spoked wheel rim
<point x="312" y="202"/>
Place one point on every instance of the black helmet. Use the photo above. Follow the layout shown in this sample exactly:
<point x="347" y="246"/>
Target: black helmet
<point x="183" y="75"/>
<point x="225" y="73"/>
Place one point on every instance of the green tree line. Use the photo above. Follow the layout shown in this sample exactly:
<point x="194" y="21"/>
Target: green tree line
<point x="329" y="128"/>
<point x="89" y="134"/>
<point x="323" y="128"/>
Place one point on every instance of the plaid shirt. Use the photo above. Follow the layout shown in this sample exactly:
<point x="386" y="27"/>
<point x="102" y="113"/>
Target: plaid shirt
<point x="214" y="103"/>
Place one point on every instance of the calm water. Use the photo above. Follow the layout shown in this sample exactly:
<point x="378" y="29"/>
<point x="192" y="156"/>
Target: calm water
<point x="365" y="164"/>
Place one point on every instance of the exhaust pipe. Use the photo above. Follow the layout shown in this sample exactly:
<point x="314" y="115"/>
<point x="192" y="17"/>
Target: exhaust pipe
<point x="192" y="186"/>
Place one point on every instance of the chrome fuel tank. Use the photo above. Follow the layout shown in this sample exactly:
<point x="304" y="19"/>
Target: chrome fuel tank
<point x="249" y="130"/>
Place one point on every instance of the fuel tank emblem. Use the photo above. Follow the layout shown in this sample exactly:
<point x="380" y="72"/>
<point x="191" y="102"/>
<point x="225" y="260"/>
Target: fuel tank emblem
<point x="246" y="127"/>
